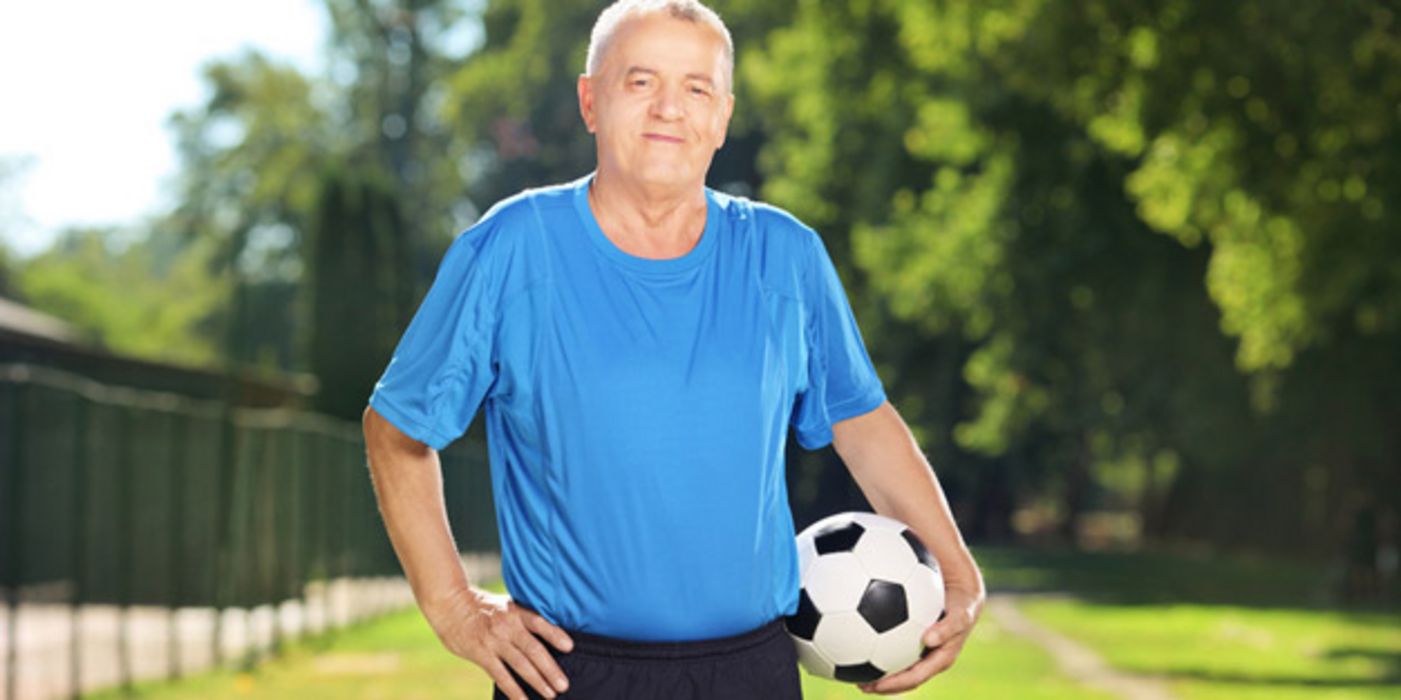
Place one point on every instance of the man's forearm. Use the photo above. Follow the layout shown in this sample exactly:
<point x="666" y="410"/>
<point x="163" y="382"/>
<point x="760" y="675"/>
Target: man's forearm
<point x="884" y="459"/>
<point x="407" y="478"/>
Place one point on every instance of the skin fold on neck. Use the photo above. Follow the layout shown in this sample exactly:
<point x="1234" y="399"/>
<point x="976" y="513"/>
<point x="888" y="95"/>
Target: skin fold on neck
<point x="645" y="222"/>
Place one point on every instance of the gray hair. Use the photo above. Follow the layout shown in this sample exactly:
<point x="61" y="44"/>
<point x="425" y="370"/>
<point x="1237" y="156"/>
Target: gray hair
<point x="686" y="10"/>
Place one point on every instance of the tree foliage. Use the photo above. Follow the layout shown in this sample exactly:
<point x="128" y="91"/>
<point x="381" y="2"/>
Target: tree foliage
<point x="259" y="155"/>
<point x="357" y="282"/>
<point x="1135" y="257"/>
<point x="1006" y="171"/>
<point x="165" y="301"/>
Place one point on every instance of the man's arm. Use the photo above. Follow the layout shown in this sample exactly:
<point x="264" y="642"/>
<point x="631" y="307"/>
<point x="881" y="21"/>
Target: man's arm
<point x="881" y="453"/>
<point x="491" y="631"/>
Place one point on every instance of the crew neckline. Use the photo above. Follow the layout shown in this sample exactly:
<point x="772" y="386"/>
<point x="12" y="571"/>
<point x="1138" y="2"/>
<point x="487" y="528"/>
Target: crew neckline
<point x="691" y="258"/>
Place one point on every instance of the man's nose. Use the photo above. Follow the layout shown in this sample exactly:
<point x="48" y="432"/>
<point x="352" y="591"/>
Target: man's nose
<point x="667" y="103"/>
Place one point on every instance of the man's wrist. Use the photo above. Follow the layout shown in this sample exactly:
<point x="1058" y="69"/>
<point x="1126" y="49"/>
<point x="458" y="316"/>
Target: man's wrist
<point x="458" y="600"/>
<point x="969" y="583"/>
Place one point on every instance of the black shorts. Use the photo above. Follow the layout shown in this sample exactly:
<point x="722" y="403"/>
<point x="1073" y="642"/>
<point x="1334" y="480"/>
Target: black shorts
<point x="760" y="664"/>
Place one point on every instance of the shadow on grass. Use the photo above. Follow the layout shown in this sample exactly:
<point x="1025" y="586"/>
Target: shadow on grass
<point x="1157" y="577"/>
<point x="1390" y="659"/>
<point x="1391" y="679"/>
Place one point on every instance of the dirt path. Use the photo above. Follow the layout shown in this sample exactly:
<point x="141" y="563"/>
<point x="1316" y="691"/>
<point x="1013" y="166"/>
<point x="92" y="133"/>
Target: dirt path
<point x="1075" y="659"/>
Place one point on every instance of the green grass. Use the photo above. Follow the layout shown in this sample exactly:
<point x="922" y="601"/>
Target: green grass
<point x="397" y="656"/>
<point x="1213" y="626"/>
<point x="1156" y="577"/>
<point x="994" y="664"/>
<point x="1216" y="652"/>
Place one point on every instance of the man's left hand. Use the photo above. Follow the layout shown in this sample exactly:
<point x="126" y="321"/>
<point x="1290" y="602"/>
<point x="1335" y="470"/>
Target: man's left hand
<point x="944" y="639"/>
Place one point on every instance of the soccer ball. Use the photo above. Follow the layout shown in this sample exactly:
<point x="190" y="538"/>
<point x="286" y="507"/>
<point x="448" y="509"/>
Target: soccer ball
<point x="870" y="589"/>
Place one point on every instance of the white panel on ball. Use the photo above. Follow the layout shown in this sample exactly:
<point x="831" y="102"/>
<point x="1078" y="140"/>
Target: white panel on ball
<point x="924" y="593"/>
<point x="807" y="554"/>
<point x="899" y="647"/>
<point x="886" y="555"/>
<point x="872" y="521"/>
<point x="836" y="582"/>
<point x="845" y="638"/>
<point x="813" y="660"/>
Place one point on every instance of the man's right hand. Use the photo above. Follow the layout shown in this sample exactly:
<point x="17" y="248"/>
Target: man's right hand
<point x="491" y="631"/>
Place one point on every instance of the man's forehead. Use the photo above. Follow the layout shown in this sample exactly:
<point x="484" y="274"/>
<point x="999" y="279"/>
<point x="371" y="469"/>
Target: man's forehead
<point x="647" y="41"/>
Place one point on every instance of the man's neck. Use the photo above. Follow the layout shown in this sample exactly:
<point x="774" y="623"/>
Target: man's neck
<point x="645" y="221"/>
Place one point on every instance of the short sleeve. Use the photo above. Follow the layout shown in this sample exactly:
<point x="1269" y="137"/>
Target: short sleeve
<point x="842" y="382"/>
<point x="443" y="365"/>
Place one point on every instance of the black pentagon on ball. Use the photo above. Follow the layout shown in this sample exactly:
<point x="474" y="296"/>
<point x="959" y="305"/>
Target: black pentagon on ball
<point x="803" y="623"/>
<point x="858" y="673"/>
<point x="838" y="537"/>
<point x="920" y="551"/>
<point x="883" y="605"/>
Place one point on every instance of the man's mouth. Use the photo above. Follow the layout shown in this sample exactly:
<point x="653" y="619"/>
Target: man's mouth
<point x="663" y="137"/>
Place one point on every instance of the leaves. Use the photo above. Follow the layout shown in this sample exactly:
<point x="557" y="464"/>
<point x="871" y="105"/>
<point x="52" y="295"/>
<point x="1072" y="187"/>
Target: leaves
<point x="1151" y="225"/>
<point x="166" y="294"/>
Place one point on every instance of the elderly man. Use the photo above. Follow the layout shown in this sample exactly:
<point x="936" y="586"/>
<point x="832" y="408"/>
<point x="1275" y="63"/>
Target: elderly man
<point x="643" y="345"/>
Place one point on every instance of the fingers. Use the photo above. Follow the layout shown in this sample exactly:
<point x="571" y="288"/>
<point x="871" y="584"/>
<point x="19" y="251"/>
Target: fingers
<point x="502" y="677"/>
<point x="947" y="627"/>
<point x="530" y="657"/>
<point x="538" y="625"/>
<point x="945" y="640"/>
<point x="526" y="667"/>
<point x="556" y="636"/>
<point x="500" y="640"/>
<point x="544" y="664"/>
<point x="935" y="663"/>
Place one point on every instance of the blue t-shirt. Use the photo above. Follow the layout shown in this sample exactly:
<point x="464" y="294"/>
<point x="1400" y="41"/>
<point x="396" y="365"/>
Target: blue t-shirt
<point x="636" y="409"/>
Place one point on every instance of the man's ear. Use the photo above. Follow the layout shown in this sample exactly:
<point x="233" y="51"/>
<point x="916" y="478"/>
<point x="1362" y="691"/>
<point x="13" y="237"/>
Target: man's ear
<point x="585" y="89"/>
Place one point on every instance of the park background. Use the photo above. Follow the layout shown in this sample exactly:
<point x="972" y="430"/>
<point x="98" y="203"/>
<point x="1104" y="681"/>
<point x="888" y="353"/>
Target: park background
<point x="1130" y="271"/>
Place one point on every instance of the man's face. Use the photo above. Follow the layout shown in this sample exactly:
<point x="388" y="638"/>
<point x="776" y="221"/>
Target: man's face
<point x="659" y="104"/>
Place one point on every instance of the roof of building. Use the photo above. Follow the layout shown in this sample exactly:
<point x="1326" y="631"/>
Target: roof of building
<point x="34" y="337"/>
<point x="22" y="320"/>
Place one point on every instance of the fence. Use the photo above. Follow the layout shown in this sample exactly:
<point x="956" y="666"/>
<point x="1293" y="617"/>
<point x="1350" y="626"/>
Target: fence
<point x="147" y="535"/>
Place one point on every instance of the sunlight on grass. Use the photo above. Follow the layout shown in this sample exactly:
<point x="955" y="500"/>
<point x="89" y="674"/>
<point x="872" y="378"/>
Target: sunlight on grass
<point x="1219" y="652"/>
<point x="994" y="664"/>
<point x="1223" y="644"/>
<point x="399" y="657"/>
<point x="396" y="656"/>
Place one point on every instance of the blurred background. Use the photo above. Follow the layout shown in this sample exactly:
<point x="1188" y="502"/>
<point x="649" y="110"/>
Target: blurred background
<point x="1131" y="271"/>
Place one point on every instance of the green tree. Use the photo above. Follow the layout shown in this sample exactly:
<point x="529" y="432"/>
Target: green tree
<point x="246" y="186"/>
<point x="252" y="153"/>
<point x="165" y="304"/>
<point x="358" y="266"/>
<point x="390" y="60"/>
<point x="1001" y="171"/>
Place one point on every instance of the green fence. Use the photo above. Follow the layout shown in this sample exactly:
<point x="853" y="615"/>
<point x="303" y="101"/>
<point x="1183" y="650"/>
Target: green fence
<point x="117" y="496"/>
